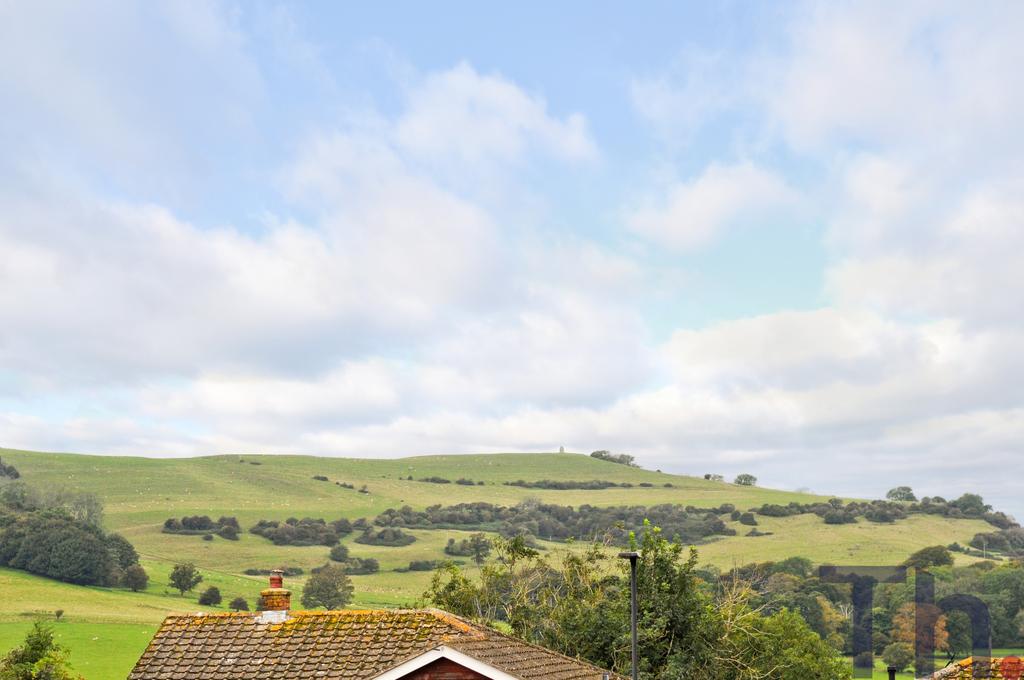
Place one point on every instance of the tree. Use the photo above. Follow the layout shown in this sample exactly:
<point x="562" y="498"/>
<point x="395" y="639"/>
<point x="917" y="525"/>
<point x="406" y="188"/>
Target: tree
<point x="122" y="551"/>
<point x="239" y="604"/>
<point x="904" y="625"/>
<point x="971" y="504"/>
<point x="581" y="608"/>
<point x="899" y="655"/>
<point x="745" y="480"/>
<point x="901" y="493"/>
<point x="480" y="548"/>
<point x="185" y="577"/>
<point x="329" y="588"/>
<point x="339" y="553"/>
<point x="934" y="556"/>
<point x="38" y="658"/>
<point x="210" y="597"/>
<point x="135" y="578"/>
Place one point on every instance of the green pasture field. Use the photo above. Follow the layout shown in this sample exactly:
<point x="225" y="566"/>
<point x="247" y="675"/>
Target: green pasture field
<point x="106" y="629"/>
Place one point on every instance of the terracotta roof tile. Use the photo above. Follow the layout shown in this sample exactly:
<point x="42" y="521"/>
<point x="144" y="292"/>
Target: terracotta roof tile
<point x="352" y="644"/>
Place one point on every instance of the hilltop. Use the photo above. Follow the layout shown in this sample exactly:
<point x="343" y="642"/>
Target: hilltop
<point x="139" y="494"/>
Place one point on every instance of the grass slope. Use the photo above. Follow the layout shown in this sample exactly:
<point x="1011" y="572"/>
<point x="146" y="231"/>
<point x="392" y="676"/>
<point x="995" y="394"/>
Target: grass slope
<point x="106" y="629"/>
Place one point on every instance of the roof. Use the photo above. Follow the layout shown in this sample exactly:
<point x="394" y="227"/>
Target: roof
<point x="352" y="644"/>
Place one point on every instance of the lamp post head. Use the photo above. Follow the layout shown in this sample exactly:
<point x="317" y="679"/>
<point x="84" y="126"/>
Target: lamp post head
<point x="629" y="555"/>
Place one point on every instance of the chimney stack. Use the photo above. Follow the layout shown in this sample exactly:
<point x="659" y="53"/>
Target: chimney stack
<point x="276" y="598"/>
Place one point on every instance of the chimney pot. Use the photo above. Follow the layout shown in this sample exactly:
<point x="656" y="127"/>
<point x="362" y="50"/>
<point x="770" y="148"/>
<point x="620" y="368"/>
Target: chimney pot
<point x="276" y="598"/>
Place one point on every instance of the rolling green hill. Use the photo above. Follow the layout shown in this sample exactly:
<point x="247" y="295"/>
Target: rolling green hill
<point x="140" y="493"/>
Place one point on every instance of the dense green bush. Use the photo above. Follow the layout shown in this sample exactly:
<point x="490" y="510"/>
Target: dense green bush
<point x="8" y="471"/>
<point x="386" y="537"/>
<point x="52" y="544"/>
<point x="210" y="597"/>
<point x="306" y="531"/>
<point x="568" y="484"/>
<point x="561" y="522"/>
<point x="135" y="578"/>
<point x="618" y="458"/>
<point x="288" y="571"/>
<point x="199" y="525"/>
<point x="339" y="553"/>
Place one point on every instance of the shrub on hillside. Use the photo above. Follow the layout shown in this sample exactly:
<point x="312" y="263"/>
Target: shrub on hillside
<point x="122" y="551"/>
<point x="306" y="531"/>
<point x="210" y="597"/>
<point x="933" y="556"/>
<point x="436" y="480"/>
<point x="288" y="571"/>
<point x="184" y="577"/>
<point x="748" y="519"/>
<point x="135" y="578"/>
<point x="320" y="478"/>
<point x="229" y="532"/>
<point x="619" y="458"/>
<point x="357" y="566"/>
<point x="901" y="494"/>
<point x="465" y="482"/>
<point x="840" y="517"/>
<point x="53" y="544"/>
<point x="239" y="604"/>
<point x="745" y="480"/>
<point x="568" y="484"/>
<point x="560" y="522"/>
<point x="8" y="471"/>
<point x="339" y="553"/>
<point x="385" y="537"/>
<point x="198" y="525"/>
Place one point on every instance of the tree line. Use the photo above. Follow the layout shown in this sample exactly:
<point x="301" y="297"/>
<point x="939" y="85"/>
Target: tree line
<point x="58" y="534"/>
<point x="560" y="522"/>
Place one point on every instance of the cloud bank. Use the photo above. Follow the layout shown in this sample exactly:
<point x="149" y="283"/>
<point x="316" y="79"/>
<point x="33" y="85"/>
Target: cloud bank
<point x="392" y="274"/>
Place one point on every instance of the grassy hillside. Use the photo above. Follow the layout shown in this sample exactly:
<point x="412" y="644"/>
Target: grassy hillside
<point x="140" y="493"/>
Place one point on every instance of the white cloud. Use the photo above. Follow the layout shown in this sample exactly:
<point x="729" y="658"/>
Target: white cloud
<point x="462" y="116"/>
<point x="690" y="214"/>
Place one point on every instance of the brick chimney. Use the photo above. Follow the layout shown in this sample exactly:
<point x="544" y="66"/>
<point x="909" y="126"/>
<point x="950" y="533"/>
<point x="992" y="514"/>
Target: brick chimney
<point x="276" y="598"/>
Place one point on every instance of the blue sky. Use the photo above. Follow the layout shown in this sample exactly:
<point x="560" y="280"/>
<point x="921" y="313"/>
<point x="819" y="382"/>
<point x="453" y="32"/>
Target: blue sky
<point x="724" y="237"/>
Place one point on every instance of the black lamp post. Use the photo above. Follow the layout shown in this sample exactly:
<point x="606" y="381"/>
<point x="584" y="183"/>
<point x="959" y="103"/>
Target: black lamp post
<point x="632" y="557"/>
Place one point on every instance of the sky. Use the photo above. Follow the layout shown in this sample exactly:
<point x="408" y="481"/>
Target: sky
<point x="777" y="238"/>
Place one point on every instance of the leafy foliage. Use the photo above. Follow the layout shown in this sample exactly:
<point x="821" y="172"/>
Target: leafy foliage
<point x="306" y="531"/>
<point x="386" y="537"/>
<point x="185" y="577"/>
<point x="581" y="608"/>
<point x="210" y="597"/>
<point x="745" y="480"/>
<point x="476" y="546"/>
<point x="934" y="556"/>
<point x="38" y="658"/>
<point x="329" y="588"/>
<point x="8" y="471"/>
<point x="50" y="543"/>
<point x="239" y="604"/>
<point x="561" y="522"/>
<point x="619" y="458"/>
<point x="135" y="578"/>
<point x="901" y="494"/>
